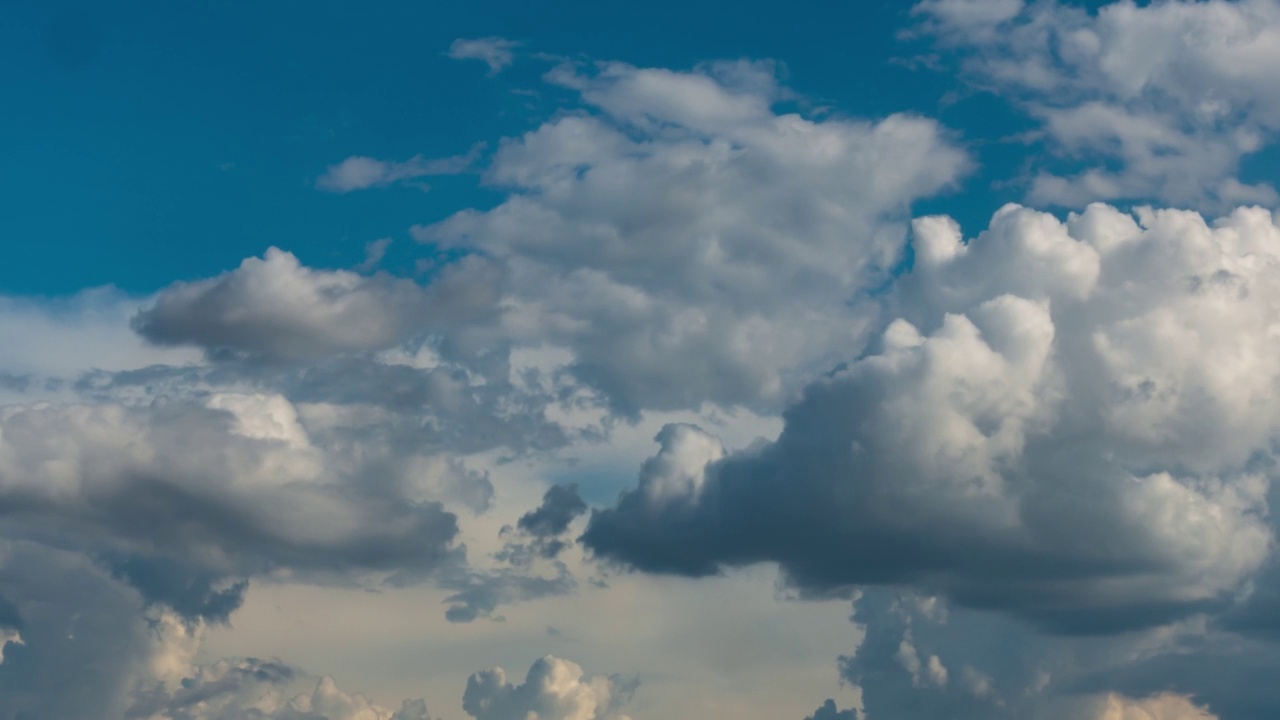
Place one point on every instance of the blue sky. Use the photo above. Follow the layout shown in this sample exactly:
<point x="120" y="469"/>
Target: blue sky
<point x="817" y="361"/>
<point x="155" y="141"/>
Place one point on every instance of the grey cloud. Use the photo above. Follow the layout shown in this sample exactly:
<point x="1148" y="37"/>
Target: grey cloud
<point x="1051" y="378"/>
<point x="560" y="505"/>
<point x="922" y="658"/>
<point x="828" y="711"/>
<point x="91" y="650"/>
<point x="191" y="591"/>
<point x="183" y="500"/>
<point x="83" y="636"/>
<point x="479" y="593"/>
<point x="545" y="524"/>
<point x="277" y="309"/>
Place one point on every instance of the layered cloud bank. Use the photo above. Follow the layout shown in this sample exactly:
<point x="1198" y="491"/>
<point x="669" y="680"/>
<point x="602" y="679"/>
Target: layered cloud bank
<point x="1038" y="460"/>
<point x="1069" y="422"/>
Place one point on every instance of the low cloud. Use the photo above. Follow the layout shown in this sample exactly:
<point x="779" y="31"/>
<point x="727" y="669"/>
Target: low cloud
<point x="276" y="308"/>
<point x="554" y="689"/>
<point x="939" y="460"/>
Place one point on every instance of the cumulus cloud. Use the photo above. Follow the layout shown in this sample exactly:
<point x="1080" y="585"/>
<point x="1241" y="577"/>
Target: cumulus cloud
<point x="183" y="499"/>
<point x="495" y="52"/>
<point x="1157" y="100"/>
<point x="276" y="308"/>
<point x="1157" y="707"/>
<point x="1109" y="373"/>
<point x="685" y="242"/>
<point x="1002" y="669"/>
<point x="554" y="689"/>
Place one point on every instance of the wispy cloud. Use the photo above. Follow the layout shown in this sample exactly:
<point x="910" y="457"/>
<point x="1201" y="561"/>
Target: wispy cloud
<point x="360" y="172"/>
<point x="495" y="52"/>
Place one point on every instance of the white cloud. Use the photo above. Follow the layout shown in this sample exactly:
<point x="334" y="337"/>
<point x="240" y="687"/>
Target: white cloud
<point x="554" y="689"/>
<point x="1102" y="373"/>
<point x="359" y="172"/>
<point x="686" y="242"/>
<point x="276" y="308"/>
<point x="1155" y="101"/>
<point x="60" y="339"/>
<point x="495" y="52"/>
<point x="1165" y="706"/>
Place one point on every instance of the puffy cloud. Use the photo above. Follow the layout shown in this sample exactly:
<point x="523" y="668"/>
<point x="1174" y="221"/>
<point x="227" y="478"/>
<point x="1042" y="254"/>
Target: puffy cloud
<point x="278" y="309"/>
<point x="182" y="498"/>
<point x="1106" y="374"/>
<point x="685" y="242"/>
<point x="554" y="689"/>
<point x="495" y="52"/>
<point x="1158" y="707"/>
<point x="1155" y="100"/>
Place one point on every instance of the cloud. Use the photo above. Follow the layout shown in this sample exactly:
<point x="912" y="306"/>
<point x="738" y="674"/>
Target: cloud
<point x="359" y="172"/>
<point x="83" y="636"/>
<point x="1140" y="102"/>
<point x="1157" y="707"/>
<point x="554" y="689"/>
<point x="182" y="500"/>
<point x="274" y="307"/>
<point x="543" y="528"/>
<point x="495" y="52"/>
<point x="1101" y="373"/>
<point x="560" y="505"/>
<point x="374" y="251"/>
<point x="828" y="711"/>
<point x="58" y="339"/>
<point x="684" y="242"/>
<point x="251" y="688"/>
<point x="1000" y="668"/>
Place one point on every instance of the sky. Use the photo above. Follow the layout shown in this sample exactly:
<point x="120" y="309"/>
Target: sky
<point x="584" y="361"/>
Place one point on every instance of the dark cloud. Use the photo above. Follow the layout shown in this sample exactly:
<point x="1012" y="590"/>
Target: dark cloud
<point x="560" y="505"/>
<point x="828" y="711"/>
<point x="83" y="637"/>
<point x="187" y="589"/>
<point x="1041" y="438"/>
<point x="186" y="501"/>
